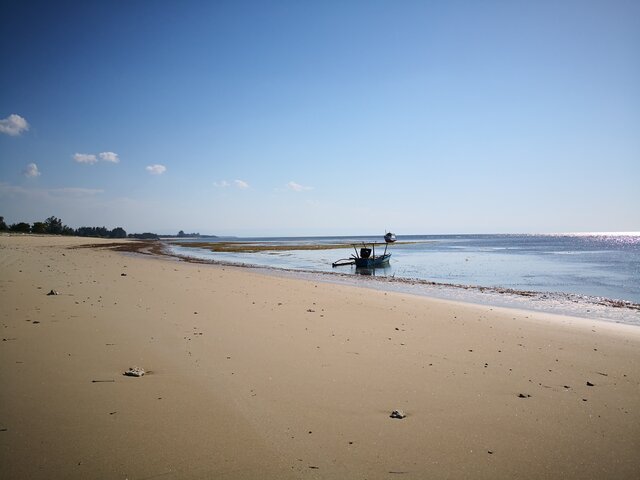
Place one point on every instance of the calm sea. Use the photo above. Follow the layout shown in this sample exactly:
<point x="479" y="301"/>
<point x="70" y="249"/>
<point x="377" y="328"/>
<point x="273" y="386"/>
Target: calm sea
<point x="594" y="265"/>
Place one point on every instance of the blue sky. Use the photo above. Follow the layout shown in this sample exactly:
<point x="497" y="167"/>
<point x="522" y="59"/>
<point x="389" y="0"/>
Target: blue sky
<point x="313" y="118"/>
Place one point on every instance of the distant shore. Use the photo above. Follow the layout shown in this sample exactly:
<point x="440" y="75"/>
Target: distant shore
<point x="252" y="247"/>
<point x="264" y="376"/>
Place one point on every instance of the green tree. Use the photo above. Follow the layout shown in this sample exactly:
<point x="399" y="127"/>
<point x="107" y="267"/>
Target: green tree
<point x="3" y="226"/>
<point x="118" y="232"/>
<point x="53" y="225"/>
<point x="21" y="227"/>
<point x="39" y="227"/>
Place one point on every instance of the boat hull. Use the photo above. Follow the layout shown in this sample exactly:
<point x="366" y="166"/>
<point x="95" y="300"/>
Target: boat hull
<point x="370" y="262"/>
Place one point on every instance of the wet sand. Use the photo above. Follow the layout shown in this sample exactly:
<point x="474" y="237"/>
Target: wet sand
<point x="255" y="376"/>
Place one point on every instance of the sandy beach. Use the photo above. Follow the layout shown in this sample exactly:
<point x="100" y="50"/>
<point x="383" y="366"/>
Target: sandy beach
<point x="257" y="377"/>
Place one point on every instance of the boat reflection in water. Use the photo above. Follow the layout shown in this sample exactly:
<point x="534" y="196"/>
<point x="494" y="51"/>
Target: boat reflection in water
<point x="384" y="270"/>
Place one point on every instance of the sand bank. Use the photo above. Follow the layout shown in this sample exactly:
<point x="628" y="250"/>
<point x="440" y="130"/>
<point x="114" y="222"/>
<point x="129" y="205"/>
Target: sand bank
<point x="255" y="376"/>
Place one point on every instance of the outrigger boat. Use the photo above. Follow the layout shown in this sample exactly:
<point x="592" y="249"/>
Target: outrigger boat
<point x="366" y="257"/>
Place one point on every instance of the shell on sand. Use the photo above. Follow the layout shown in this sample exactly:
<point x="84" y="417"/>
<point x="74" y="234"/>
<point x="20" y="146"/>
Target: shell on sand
<point x="135" y="372"/>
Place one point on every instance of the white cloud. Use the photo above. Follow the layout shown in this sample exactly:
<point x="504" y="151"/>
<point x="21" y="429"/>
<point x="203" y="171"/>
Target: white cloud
<point x="89" y="158"/>
<point x="31" y="170"/>
<point x="224" y="184"/>
<point x="156" y="169"/>
<point x="13" y="125"/>
<point x="109" y="157"/>
<point x="296" y="187"/>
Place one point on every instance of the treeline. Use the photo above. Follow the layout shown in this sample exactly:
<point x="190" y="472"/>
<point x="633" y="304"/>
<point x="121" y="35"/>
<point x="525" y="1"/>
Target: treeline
<point x="117" y="232"/>
<point x="54" y="226"/>
<point x="51" y="225"/>
<point x="181" y="234"/>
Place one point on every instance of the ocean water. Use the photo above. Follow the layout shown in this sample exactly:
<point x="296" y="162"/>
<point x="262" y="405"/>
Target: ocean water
<point x="600" y="266"/>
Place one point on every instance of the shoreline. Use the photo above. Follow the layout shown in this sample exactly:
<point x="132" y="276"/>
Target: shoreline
<point x="261" y="376"/>
<point x="605" y="310"/>
<point x="562" y="303"/>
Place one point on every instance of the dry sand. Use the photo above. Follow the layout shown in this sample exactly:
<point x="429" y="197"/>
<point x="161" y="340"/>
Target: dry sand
<point x="264" y="377"/>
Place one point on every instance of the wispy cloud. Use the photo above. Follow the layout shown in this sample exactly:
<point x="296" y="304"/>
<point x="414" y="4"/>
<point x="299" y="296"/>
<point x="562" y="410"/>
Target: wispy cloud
<point x="109" y="157"/>
<point x="13" y="125"/>
<point x="31" y="170"/>
<point x="88" y="158"/>
<point x="224" y="184"/>
<point x="75" y="191"/>
<point x="296" y="187"/>
<point x="156" y="169"/>
<point x="14" y="191"/>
